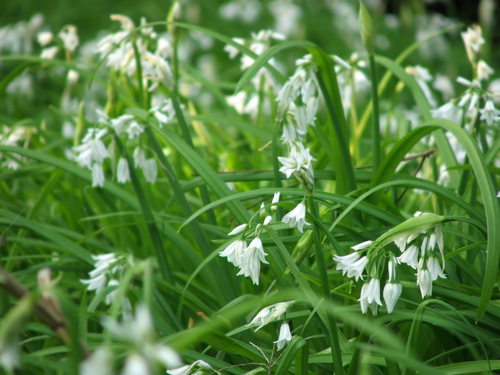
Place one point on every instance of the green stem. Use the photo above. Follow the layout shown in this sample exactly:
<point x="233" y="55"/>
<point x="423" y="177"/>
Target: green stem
<point x="323" y="276"/>
<point x="376" y="152"/>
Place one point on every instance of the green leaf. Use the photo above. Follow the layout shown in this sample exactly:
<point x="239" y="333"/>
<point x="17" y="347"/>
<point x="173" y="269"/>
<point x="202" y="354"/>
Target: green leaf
<point x="293" y="352"/>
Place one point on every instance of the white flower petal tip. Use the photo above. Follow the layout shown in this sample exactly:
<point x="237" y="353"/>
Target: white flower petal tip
<point x="362" y="245"/>
<point x="238" y="229"/>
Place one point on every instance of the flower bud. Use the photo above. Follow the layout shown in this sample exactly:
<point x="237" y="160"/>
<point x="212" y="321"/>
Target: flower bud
<point x="366" y="28"/>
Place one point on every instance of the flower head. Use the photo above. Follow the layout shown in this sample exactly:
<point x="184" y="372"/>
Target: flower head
<point x="392" y="292"/>
<point x="234" y="252"/>
<point x="123" y="173"/>
<point x="297" y="217"/>
<point x="489" y="113"/>
<point x="284" y="337"/>
<point x="250" y="260"/>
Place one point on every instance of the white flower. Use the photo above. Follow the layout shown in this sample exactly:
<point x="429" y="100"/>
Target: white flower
<point x="9" y="354"/>
<point x="150" y="170"/>
<point x="289" y="134"/>
<point x="424" y="280"/>
<point x="473" y="38"/>
<point x="237" y="230"/>
<point x="123" y="174"/>
<point x="309" y="90"/>
<point x="489" y="113"/>
<point x="97" y="283"/>
<point x="49" y="53"/>
<point x="392" y="292"/>
<point x="139" y="157"/>
<point x="284" y="337"/>
<point x="410" y="257"/>
<point x="483" y="70"/>
<point x="126" y="23"/>
<point x="234" y="251"/>
<point x="134" y="130"/>
<point x="449" y="111"/>
<point x="92" y="148"/>
<point x="250" y="260"/>
<point x="44" y="38"/>
<point x="267" y="220"/>
<point x="434" y="268"/>
<point x="186" y="370"/>
<point x="362" y="245"/>
<point x="160" y="73"/>
<point x="69" y="37"/>
<point x="136" y="365"/>
<point x="276" y="199"/>
<point x="345" y="261"/>
<point x="363" y="303"/>
<point x="237" y="101"/>
<point x="351" y="264"/>
<point x="100" y="362"/>
<point x="371" y="293"/>
<point x="299" y="163"/>
<point x="297" y="217"/>
<point x="270" y="313"/>
<point x="97" y="175"/>
<point x="73" y="76"/>
<point x="233" y="51"/>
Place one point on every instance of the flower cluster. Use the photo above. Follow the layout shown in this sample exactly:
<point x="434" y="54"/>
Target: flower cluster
<point x="244" y="101"/>
<point x="299" y="163"/>
<point x="420" y="241"/>
<point x="249" y="257"/>
<point x="67" y="37"/>
<point x="107" y="272"/>
<point x="273" y="313"/>
<point x="144" y="352"/>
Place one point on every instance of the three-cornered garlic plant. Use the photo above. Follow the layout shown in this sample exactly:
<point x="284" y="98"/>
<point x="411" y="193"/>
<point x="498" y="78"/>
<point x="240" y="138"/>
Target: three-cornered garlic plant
<point x="138" y="334"/>
<point x="248" y="258"/>
<point x="420" y="241"/>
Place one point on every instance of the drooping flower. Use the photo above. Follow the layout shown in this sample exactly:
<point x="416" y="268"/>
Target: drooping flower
<point x="297" y="217"/>
<point x="392" y="292"/>
<point x="186" y="370"/>
<point x="483" y="70"/>
<point x="49" y="53"/>
<point x="251" y="258"/>
<point x="123" y="172"/>
<point x="139" y="157"/>
<point x="44" y="38"/>
<point x="276" y="199"/>
<point x="92" y="148"/>
<point x="449" y="111"/>
<point x="410" y="257"/>
<point x="284" y="337"/>
<point x="424" y="280"/>
<point x="270" y="314"/>
<point x="234" y="252"/>
<point x="489" y="113"/>
<point x="138" y="333"/>
<point x="100" y="362"/>
<point x="97" y="175"/>
<point x="372" y="292"/>
<point x="150" y="170"/>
